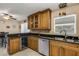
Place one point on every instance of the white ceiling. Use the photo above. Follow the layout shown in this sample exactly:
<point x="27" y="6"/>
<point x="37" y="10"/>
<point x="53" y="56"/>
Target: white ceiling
<point x="21" y="10"/>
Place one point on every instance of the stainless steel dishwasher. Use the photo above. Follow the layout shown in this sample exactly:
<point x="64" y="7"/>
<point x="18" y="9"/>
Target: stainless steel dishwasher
<point x="43" y="46"/>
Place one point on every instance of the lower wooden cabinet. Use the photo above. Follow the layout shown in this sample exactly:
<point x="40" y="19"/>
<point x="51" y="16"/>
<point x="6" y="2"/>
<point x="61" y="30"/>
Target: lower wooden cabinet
<point x="33" y="42"/>
<point x="70" y="52"/>
<point x="13" y="45"/>
<point x="54" y="50"/>
<point x="58" y="48"/>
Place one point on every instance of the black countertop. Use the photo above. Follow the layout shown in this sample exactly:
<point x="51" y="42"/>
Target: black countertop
<point x="48" y="36"/>
<point x="44" y="35"/>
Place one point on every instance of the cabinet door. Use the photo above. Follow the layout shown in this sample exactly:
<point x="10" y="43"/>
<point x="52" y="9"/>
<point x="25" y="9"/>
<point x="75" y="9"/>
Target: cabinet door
<point x="29" y="41"/>
<point x="33" y="43"/>
<point x="58" y="48"/>
<point x="36" y="44"/>
<point x="10" y="46"/>
<point x="77" y="46"/>
<point x="14" y="45"/>
<point x="31" y="22"/>
<point x="54" y="49"/>
<point x="45" y="20"/>
<point x="37" y="21"/>
<point x="70" y="49"/>
<point x="70" y="52"/>
<point x="61" y="51"/>
<point x="78" y="53"/>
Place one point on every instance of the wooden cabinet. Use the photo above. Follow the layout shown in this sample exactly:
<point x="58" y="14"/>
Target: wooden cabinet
<point x="54" y="50"/>
<point x="70" y="52"/>
<point x="46" y="19"/>
<point x="37" y="21"/>
<point x="58" y="48"/>
<point x="40" y="20"/>
<point x="13" y="45"/>
<point x="34" y="21"/>
<point x="33" y="42"/>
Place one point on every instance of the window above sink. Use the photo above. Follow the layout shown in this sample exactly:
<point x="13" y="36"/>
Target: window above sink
<point x="67" y="23"/>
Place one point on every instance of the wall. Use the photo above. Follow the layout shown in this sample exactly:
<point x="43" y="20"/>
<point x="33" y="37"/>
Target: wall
<point x="68" y="10"/>
<point x="14" y="26"/>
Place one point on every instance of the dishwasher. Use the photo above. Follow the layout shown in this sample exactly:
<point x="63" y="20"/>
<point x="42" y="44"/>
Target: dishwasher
<point x="43" y="46"/>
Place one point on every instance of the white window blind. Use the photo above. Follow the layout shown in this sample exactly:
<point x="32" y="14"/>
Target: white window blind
<point x="67" y="23"/>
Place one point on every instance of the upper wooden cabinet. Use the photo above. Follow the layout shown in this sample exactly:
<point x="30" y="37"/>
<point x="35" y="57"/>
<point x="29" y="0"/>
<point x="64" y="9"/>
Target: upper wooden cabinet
<point x="40" y="20"/>
<point x="34" y="21"/>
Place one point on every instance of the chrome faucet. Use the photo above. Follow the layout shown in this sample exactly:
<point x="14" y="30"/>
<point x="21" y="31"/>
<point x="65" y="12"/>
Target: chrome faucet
<point x="65" y="33"/>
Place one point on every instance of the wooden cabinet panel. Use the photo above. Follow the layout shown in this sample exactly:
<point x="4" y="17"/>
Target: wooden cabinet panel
<point x="40" y="20"/>
<point x="31" y="22"/>
<point x="54" y="50"/>
<point x="58" y="48"/>
<point x="34" y="21"/>
<point x="45" y="19"/>
<point x="10" y="47"/>
<point x="78" y="53"/>
<point x="36" y="44"/>
<point x="17" y="44"/>
<point x="33" y="42"/>
<point x="13" y="45"/>
<point x="61" y="51"/>
<point x="30" y="42"/>
<point x="37" y="21"/>
<point x="70" y="52"/>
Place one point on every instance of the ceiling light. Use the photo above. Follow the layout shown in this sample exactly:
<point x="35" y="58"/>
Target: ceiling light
<point x="6" y="17"/>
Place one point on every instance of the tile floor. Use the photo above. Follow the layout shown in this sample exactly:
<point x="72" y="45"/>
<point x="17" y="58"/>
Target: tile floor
<point x="26" y="52"/>
<point x="3" y="52"/>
